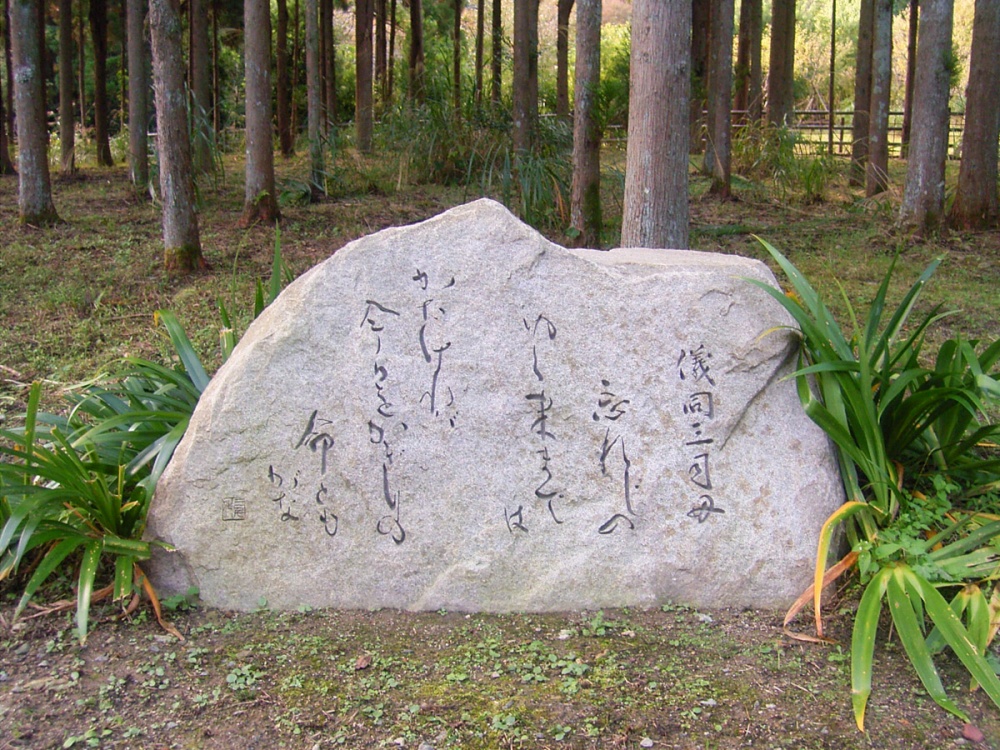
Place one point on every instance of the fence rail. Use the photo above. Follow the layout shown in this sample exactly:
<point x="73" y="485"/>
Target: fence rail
<point x="813" y="128"/>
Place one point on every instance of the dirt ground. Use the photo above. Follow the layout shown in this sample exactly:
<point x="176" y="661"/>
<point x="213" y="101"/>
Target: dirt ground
<point x="667" y="678"/>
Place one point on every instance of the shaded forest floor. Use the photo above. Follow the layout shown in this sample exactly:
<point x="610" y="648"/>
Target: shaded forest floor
<point x="77" y="297"/>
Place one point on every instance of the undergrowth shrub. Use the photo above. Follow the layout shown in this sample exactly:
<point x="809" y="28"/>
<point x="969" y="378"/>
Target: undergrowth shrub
<point x="916" y="443"/>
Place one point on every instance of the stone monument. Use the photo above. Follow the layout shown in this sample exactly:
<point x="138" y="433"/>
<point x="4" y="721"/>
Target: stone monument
<point x="460" y="414"/>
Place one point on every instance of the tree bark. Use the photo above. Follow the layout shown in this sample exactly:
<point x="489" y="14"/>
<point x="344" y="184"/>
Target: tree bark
<point x="6" y="165"/>
<point x="718" y="152"/>
<point x="381" y="50"/>
<point x="480" y="50"/>
<point x="456" y="57"/>
<point x="525" y="83"/>
<point x="9" y="111"/>
<point x="99" y="39"/>
<point x="748" y="61"/>
<point x="585" y="201"/>
<point x="216" y="91"/>
<point x="781" y="76"/>
<point x="700" y="24"/>
<point x="363" y="114"/>
<point x="201" y="87"/>
<point x="34" y="197"/>
<point x="975" y="205"/>
<point x="138" y="100"/>
<point x="181" y="241"/>
<point x="416" y="56"/>
<point x="563" y="10"/>
<point x="392" y="50"/>
<point x="81" y="74"/>
<point x="923" y="193"/>
<point x="911" y="73"/>
<point x="260" y="202"/>
<point x="286" y="139"/>
<point x="496" y="60"/>
<point x="877" y="172"/>
<point x="862" y="94"/>
<point x="67" y="130"/>
<point x="314" y="102"/>
<point x="656" y="173"/>
<point x="329" y="60"/>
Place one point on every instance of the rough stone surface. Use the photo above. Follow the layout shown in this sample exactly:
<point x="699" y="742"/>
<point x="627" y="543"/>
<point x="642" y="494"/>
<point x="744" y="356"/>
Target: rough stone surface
<point x="460" y="414"/>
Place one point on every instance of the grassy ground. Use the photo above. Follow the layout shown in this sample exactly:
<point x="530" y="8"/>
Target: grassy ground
<point x="77" y="297"/>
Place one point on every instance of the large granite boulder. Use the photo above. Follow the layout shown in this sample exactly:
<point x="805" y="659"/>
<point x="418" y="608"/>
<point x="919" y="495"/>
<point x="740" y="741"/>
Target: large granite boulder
<point x="460" y="414"/>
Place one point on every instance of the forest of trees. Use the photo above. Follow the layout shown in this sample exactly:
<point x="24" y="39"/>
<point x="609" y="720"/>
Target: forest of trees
<point x="682" y="78"/>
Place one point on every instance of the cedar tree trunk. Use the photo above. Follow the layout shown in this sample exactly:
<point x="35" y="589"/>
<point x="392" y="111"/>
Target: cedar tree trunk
<point x="314" y="101"/>
<point x="182" y="244"/>
<point x="585" y="205"/>
<point x="748" y="62"/>
<point x="284" y="103"/>
<point x="201" y="87"/>
<point x="656" y="174"/>
<point x="99" y="39"/>
<point x="138" y="100"/>
<point x="718" y="153"/>
<point x="416" y="56"/>
<point x="975" y="204"/>
<point x="34" y="197"/>
<point x="862" y="94"/>
<point x="563" y="10"/>
<point x="525" y="82"/>
<point x="781" y="76"/>
<point x="911" y="74"/>
<point x="260" y="202"/>
<point x="67" y="129"/>
<point x="363" y="114"/>
<point x="877" y="172"/>
<point x="923" y="193"/>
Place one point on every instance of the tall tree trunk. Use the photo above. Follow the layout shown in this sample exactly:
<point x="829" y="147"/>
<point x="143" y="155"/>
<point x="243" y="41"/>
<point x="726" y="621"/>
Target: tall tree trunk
<point x="911" y="73"/>
<point x="284" y="102"/>
<point x="877" y="172"/>
<point x="381" y="50"/>
<point x="563" y="10"/>
<point x="34" y="197"/>
<point x="138" y="99"/>
<point x="329" y="61"/>
<point x="748" y="63"/>
<point x="67" y="130"/>
<point x="314" y="102"/>
<point x="496" y="59"/>
<point x="416" y="56"/>
<point x="81" y="76"/>
<point x="585" y="201"/>
<point x="201" y="87"/>
<point x="718" y="153"/>
<point x="363" y="114"/>
<point x="296" y="56"/>
<point x="700" y="24"/>
<point x="6" y="165"/>
<point x="181" y="241"/>
<point x="525" y="85"/>
<point x="9" y="111"/>
<point x="975" y="205"/>
<point x="99" y="38"/>
<point x="862" y="93"/>
<point x="656" y="173"/>
<point x="923" y="193"/>
<point x="781" y="76"/>
<point x="392" y="50"/>
<point x="480" y="50"/>
<point x="216" y="91"/>
<point x="456" y="57"/>
<point x="260" y="202"/>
